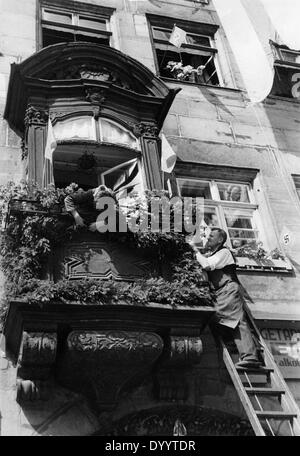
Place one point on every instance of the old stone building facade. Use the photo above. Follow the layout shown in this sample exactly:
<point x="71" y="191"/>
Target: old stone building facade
<point x="222" y="142"/>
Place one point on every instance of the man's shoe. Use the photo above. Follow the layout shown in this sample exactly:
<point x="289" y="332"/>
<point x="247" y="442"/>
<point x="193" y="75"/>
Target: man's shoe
<point x="249" y="364"/>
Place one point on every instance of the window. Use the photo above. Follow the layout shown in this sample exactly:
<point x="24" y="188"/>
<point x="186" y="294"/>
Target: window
<point x="195" y="61"/>
<point x="102" y="130"/>
<point x="73" y="24"/>
<point x="90" y="152"/>
<point x="287" y="72"/>
<point x="296" y="179"/>
<point x="228" y="205"/>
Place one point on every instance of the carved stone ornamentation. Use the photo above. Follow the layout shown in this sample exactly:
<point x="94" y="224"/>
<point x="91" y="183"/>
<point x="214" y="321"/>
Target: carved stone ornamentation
<point x="24" y="149"/>
<point x="37" y="357"/>
<point x="145" y="129"/>
<point x="96" y="96"/>
<point x="182" y="353"/>
<point x="197" y="420"/>
<point x="185" y="350"/>
<point x="35" y="116"/>
<point x="91" y="72"/>
<point x="101" y="364"/>
<point x="102" y="260"/>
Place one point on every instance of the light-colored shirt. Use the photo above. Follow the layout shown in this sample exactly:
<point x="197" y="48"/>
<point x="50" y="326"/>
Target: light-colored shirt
<point x="218" y="260"/>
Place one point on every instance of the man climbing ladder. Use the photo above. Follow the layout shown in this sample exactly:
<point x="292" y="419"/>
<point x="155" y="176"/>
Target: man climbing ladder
<point x="230" y="319"/>
<point x="256" y="382"/>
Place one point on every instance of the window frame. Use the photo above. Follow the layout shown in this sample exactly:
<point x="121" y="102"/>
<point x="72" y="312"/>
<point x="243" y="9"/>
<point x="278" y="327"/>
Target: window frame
<point x="191" y="28"/>
<point x="220" y="206"/>
<point x="75" y="10"/>
<point x="296" y="181"/>
<point x="101" y="175"/>
<point x="285" y="65"/>
<point x="97" y="127"/>
<point x="98" y="140"/>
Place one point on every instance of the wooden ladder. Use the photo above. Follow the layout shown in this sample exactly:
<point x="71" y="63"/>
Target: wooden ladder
<point x="265" y="396"/>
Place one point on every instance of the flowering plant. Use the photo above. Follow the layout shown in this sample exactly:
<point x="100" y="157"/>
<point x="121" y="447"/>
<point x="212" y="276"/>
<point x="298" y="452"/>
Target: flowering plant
<point x="184" y="72"/>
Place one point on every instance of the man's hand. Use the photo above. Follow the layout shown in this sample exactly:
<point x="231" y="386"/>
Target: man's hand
<point x="93" y="227"/>
<point x="190" y="241"/>
<point x="79" y="220"/>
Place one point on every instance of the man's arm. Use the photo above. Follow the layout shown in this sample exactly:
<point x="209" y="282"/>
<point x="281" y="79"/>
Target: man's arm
<point x="70" y="205"/>
<point x="216" y="261"/>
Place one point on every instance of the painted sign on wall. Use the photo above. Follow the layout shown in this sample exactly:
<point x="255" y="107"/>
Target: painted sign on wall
<point x="284" y="344"/>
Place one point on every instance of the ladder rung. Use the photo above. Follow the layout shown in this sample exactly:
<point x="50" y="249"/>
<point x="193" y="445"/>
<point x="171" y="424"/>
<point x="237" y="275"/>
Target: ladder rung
<point x="266" y="391"/>
<point x="276" y="415"/>
<point x="256" y="370"/>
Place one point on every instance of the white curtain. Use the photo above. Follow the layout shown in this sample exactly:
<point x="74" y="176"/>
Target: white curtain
<point x="112" y="133"/>
<point x="76" y="128"/>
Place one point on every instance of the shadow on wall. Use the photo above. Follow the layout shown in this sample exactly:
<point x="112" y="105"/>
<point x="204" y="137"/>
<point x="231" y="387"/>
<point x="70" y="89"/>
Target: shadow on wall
<point x="212" y="97"/>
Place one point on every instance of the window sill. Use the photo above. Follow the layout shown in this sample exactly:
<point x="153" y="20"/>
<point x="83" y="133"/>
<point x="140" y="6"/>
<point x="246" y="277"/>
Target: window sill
<point x="281" y="98"/>
<point x="251" y="264"/>
<point x="176" y="81"/>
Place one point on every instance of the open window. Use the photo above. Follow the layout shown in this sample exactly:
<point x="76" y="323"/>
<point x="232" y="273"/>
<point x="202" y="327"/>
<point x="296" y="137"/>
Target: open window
<point x="287" y="72"/>
<point x="61" y="23"/>
<point x="90" y="152"/>
<point x="124" y="179"/>
<point x="195" y="61"/>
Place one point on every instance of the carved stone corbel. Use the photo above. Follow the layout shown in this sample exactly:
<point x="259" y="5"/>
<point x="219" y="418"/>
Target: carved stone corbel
<point x="101" y="364"/>
<point x="182" y="353"/>
<point x="37" y="357"/>
<point x="35" y="116"/>
<point x="145" y="129"/>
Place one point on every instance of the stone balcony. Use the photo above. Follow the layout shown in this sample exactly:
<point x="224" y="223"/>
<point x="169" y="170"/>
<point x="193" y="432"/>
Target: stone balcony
<point x="102" y="350"/>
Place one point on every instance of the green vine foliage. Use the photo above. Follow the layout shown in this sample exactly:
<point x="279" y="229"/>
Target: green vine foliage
<point x="256" y="251"/>
<point x="29" y="239"/>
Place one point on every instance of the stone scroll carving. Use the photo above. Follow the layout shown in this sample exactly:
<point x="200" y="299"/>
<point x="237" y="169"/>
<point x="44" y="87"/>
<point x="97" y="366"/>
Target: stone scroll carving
<point x="182" y="353"/>
<point x="37" y="357"/>
<point x="99" y="364"/>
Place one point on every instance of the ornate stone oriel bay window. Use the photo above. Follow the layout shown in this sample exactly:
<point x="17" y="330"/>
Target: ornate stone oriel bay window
<point x="106" y="110"/>
<point x="65" y="21"/>
<point x="95" y="96"/>
<point x="199" y="53"/>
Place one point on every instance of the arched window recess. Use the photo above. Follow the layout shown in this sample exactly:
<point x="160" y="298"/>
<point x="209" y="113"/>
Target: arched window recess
<point x="102" y="130"/>
<point x="92" y="151"/>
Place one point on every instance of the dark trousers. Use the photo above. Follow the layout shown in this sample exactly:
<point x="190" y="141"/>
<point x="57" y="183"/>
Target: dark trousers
<point x="244" y="341"/>
<point x="242" y="336"/>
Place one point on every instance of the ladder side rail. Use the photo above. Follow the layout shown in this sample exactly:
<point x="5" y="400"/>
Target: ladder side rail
<point x="288" y="402"/>
<point x="279" y="382"/>
<point x="248" y="407"/>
